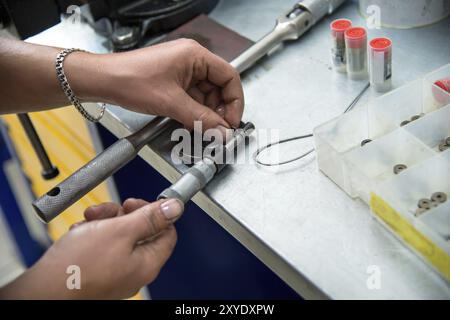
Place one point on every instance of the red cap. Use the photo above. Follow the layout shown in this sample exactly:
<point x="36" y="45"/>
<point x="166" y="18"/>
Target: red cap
<point x="340" y="25"/>
<point x="355" y="37"/>
<point x="380" y="44"/>
<point x="444" y="84"/>
<point x="441" y="91"/>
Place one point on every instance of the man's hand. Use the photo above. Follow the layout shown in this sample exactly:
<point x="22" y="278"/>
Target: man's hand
<point x="118" y="250"/>
<point x="179" y="79"/>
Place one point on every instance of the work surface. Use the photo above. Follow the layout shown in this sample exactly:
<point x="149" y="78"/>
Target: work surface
<point x="295" y="219"/>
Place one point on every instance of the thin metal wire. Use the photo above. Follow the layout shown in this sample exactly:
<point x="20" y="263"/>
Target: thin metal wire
<point x="358" y="97"/>
<point x="270" y="145"/>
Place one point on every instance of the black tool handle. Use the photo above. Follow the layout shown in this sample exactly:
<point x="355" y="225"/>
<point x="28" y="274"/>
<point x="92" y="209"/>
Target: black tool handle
<point x="49" y="171"/>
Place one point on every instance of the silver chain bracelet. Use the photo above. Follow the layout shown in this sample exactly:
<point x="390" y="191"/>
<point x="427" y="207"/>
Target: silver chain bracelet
<point x="66" y="87"/>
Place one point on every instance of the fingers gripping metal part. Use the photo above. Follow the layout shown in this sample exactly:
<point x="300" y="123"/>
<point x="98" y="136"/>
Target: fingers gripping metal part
<point x="197" y="177"/>
<point x="221" y="157"/>
<point x="191" y="182"/>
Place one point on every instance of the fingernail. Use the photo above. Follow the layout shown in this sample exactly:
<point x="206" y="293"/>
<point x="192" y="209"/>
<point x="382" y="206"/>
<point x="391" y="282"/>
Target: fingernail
<point x="94" y="208"/>
<point x="76" y="225"/>
<point x="220" y="111"/>
<point x="172" y="208"/>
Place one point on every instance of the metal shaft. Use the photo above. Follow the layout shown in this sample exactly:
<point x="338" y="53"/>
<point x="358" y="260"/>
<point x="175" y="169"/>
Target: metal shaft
<point x="96" y="171"/>
<point x="49" y="171"/>
<point x="289" y="26"/>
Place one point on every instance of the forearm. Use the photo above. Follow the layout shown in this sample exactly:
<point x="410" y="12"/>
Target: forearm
<point x="28" y="79"/>
<point x="177" y="79"/>
<point x="34" y="284"/>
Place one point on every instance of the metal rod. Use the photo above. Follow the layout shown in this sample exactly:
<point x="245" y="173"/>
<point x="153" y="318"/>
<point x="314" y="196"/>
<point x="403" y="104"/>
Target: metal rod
<point x="49" y="171"/>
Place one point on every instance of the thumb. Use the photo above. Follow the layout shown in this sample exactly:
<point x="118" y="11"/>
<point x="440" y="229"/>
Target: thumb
<point x="150" y="220"/>
<point x="193" y="111"/>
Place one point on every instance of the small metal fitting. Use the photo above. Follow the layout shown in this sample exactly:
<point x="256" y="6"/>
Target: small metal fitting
<point x="434" y="204"/>
<point x="420" y="211"/>
<point x="443" y="146"/>
<point x="399" y="168"/>
<point x="447" y="141"/>
<point x="365" y="141"/>
<point x="439" y="197"/>
<point x="424" y="204"/>
<point x="404" y="123"/>
<point x="416" y="117"/>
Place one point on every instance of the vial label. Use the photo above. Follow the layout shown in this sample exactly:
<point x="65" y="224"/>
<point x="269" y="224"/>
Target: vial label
<point x="356" y="60"/>
<point x="378" y="67"/>
<point x="338" y="52"/>
<point x="381" y="67"/>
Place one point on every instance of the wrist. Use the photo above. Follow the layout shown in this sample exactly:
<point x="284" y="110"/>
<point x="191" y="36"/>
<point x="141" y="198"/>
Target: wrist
<point x="87" y="76"/>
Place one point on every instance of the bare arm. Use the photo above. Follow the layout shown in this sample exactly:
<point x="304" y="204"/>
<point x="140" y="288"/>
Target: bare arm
<point x="28" y="78"/>
<point x="178" y="79"/>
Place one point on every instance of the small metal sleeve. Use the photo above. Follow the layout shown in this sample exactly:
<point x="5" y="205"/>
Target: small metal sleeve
<point x="191" y="182"/>
<point x="320" y="8"/>
<point x="197" y="177"/>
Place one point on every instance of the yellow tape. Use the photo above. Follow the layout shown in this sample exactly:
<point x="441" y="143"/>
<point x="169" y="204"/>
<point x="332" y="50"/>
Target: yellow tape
<point x="428" y="249"/>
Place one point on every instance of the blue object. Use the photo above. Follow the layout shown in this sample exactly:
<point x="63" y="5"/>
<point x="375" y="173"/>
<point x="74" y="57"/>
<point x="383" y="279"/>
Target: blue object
<point x="29" y="248"/>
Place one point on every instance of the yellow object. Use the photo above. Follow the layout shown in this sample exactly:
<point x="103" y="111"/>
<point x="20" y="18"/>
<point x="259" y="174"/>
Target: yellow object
<point x="66" y="138"/>
<point x="403" y="228"/>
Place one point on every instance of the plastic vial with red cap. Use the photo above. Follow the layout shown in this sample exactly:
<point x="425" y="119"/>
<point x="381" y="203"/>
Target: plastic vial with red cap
<point x="356" y="52"/>
<point x="380" y="64"/>
<point x="338" y="28"/>
<point x="441" y="90"/>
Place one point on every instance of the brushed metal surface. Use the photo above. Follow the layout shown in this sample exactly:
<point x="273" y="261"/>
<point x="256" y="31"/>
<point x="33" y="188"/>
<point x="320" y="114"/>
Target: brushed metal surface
<point x="296" y="220"/>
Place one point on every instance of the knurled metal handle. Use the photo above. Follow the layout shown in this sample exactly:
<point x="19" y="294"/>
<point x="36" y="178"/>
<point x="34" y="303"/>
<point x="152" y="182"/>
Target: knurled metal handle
<point x="84" y="180"/>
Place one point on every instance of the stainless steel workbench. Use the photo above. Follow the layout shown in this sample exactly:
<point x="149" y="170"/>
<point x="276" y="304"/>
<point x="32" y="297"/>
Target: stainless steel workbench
<point x="295" y="219"/>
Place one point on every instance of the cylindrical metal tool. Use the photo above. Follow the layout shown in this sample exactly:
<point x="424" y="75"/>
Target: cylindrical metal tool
<point x="191" y="182"/>
<point x="96" y="171"/>
<point x="289" y="26"/>
<point x="196" y="178"/>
